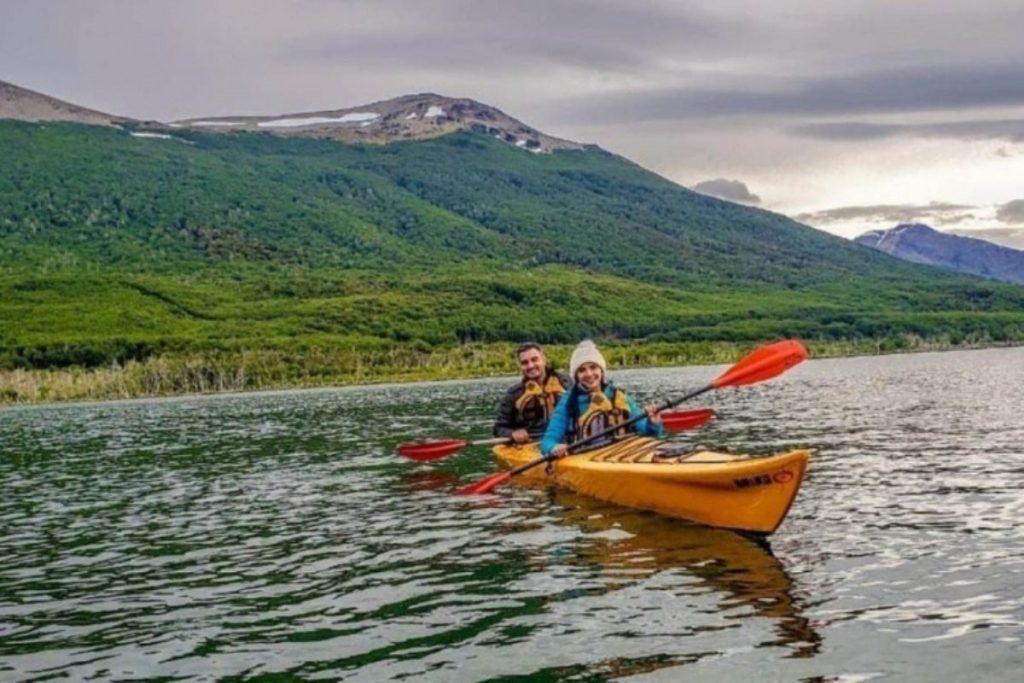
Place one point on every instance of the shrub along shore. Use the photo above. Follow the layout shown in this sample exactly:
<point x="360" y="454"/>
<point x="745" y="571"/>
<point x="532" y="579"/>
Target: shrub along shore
<point x="254" y="370"/>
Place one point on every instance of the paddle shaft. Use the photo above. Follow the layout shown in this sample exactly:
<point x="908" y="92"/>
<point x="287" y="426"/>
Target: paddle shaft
<point x="490" y="442"/>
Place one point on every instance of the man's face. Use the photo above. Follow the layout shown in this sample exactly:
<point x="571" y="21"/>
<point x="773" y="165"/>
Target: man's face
<point x="531" y="364"/>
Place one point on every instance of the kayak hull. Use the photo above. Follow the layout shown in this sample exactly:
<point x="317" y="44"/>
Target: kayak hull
<point x="744" y="493"/>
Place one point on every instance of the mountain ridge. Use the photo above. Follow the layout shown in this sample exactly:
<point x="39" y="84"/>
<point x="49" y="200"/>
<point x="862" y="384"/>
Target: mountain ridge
<point x="22" y="104"/>
<point x="407" y="117"/>
<point x="921" y="243"/>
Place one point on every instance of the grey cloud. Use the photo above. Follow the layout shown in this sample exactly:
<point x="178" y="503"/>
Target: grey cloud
<point x="927" y="88"/>
<point x="422" y="51"/>
<point x="1011" y="130"/>
<point x="812" y="43"/>
<point x="953" y="218"/>
<point x="733" y="190"/>
<point x="599" y="37"/>
<point x="942" y="213"/>
<point x="1011" y="212"/>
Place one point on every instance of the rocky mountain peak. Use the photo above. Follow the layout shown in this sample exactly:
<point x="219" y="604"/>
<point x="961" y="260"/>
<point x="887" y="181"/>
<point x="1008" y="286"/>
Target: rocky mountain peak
<point x="408" y="117"/>
<point x="920" y="243"/>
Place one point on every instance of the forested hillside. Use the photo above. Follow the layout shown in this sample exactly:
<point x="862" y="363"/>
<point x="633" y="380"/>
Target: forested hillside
<point x="115" y="247"/>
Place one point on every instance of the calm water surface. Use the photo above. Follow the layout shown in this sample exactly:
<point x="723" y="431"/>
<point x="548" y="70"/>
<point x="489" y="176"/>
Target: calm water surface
<point x="238" y="537"/>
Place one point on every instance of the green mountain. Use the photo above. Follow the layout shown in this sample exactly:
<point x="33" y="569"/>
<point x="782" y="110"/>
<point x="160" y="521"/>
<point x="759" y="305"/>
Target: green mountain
<point x="144" y="241"/>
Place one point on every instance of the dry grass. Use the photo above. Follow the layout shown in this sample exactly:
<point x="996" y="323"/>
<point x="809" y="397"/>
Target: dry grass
<point x="272" y="369"/>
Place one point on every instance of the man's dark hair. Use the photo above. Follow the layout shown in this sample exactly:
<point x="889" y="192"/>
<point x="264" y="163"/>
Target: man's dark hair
<point x="526" y="346"/>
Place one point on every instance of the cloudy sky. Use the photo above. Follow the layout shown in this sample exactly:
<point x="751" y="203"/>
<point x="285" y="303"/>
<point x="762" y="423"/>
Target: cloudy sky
<point x="847" y="115"/>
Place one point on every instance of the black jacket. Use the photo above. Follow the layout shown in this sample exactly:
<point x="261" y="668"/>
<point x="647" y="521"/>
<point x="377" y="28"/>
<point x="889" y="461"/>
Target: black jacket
<point x="534" y="419"/>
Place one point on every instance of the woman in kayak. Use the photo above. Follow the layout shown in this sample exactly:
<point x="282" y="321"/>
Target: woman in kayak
<point x="592" y="406"/>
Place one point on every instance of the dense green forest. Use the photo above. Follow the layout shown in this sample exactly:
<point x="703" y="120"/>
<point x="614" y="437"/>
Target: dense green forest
<point x="330" y="262"/>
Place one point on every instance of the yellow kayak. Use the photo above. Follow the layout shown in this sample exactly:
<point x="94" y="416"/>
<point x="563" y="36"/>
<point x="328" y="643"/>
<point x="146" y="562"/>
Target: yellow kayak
<point x="718" y="489"/>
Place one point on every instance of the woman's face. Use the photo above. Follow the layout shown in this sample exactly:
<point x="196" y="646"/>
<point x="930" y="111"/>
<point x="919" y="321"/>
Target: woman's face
<point x="588" y="376"/>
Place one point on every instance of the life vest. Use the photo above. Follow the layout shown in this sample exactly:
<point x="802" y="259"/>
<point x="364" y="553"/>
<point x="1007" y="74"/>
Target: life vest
<point x="603" y="413"/>
<point x="537" y="401"/>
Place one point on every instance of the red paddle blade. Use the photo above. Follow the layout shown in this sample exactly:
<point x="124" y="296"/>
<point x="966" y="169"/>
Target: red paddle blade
<point x="763" y="363"/>
<point x="485" y="485"/>
<point x="681" y="420"/>
<point x="430" y="450"/>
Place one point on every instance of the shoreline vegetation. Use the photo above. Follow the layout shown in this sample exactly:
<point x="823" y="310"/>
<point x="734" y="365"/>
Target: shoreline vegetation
<point x="260" y="370"/>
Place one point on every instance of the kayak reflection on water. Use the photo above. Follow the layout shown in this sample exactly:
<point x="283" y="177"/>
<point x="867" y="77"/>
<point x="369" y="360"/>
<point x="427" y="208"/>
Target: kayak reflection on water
<point x="627" y="546"/>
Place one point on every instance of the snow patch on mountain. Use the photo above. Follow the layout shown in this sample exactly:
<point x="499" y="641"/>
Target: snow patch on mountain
<point x="355" y="117"/>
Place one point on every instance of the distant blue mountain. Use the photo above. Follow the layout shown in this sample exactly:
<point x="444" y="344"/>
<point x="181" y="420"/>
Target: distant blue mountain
<point x="921" y="244"/>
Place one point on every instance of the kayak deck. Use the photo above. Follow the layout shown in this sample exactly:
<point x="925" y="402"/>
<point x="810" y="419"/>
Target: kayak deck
<point x="718" y="489"/>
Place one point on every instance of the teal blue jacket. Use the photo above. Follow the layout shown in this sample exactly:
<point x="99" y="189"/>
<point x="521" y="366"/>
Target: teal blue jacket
<point x="559" y="429"/>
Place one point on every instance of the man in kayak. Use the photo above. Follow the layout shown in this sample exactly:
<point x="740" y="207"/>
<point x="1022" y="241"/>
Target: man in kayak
<point x="524" y="411"/>
<point x="593" y="405"/>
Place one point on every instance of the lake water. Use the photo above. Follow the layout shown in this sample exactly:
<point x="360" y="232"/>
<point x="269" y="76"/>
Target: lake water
<point x="232" y="537"/>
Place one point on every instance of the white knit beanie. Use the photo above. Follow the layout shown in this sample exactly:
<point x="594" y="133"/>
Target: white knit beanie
<point x="585" y="352"/>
